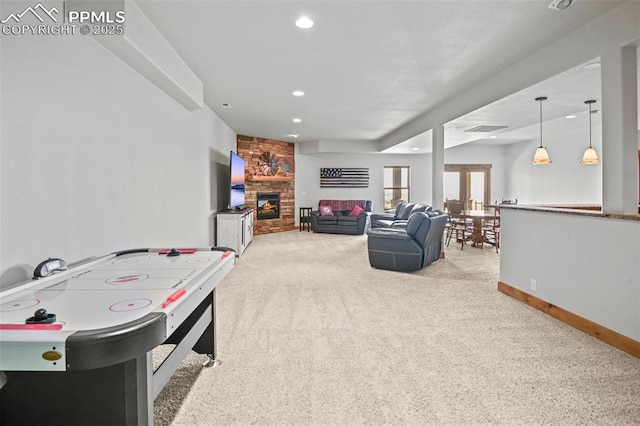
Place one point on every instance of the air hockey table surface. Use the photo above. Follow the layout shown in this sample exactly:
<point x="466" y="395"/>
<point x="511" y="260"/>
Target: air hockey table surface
<point x="111" y="310"/>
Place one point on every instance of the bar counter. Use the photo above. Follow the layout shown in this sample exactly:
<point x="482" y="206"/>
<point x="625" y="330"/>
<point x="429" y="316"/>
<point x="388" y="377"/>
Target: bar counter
<point x="576" y="264"/>
<point x="572" y="209"/>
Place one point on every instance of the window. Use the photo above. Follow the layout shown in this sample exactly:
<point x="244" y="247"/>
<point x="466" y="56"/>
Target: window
<point x="470" y="182"/>
<point x="396" y="186"/>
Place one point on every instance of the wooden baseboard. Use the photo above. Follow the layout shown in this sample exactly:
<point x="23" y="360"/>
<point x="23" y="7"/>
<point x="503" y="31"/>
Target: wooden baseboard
<point x="598" y="331"/>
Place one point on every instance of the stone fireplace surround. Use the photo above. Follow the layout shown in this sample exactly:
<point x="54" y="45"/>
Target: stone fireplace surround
<point x="250" y="149"/>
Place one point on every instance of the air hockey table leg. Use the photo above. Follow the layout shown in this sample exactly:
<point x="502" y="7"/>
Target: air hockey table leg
<point x="213" y="360"/>
<point x="206" y="343"/>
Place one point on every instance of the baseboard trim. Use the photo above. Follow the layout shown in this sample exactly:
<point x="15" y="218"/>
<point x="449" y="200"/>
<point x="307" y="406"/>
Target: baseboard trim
<point x="615" y="339"/>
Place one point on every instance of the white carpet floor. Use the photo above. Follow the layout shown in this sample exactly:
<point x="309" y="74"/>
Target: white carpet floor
<point x="310" y="334"/>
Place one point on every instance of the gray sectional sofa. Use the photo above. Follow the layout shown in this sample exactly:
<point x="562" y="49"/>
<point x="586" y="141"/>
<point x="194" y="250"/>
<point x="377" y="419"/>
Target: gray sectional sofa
<point x="397" y="218"/>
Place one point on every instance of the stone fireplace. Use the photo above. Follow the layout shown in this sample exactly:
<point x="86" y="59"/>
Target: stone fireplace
<point x="279" y="177"/>
<point x="268" y="205"/>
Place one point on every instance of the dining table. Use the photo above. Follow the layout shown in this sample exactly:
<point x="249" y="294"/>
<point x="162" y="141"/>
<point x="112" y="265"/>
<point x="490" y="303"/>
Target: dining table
<point x="477" y="216"/>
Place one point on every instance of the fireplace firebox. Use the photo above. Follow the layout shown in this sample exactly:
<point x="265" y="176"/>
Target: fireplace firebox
<point x="268" y="205"/>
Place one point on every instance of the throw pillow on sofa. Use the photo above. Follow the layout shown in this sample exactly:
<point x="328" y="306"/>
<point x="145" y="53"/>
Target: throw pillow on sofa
<point x="326" y="211"/>
<point x="357" y="211"/>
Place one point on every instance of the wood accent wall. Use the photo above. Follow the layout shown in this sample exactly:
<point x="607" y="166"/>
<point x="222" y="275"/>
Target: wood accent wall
<point x="250" y="149"/>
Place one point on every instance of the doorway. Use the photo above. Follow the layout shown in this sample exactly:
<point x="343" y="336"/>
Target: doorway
<point x="469" y="182"/>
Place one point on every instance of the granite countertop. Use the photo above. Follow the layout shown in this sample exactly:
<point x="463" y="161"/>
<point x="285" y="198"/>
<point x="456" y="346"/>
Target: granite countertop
<point x="570" y="209"/>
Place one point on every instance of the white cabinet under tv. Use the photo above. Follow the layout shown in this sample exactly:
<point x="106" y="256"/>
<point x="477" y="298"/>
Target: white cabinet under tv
<point x="235" y="230"/>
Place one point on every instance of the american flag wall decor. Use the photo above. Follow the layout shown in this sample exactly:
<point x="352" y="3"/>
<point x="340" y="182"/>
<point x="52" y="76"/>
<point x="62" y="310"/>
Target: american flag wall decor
<point x="346" y="177"/>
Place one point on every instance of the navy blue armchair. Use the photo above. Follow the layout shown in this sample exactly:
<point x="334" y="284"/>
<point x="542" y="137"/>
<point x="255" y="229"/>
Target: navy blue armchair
<point x="408" y="249"/>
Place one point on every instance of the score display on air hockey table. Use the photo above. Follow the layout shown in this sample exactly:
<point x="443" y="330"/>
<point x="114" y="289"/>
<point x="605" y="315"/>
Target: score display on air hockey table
<point x="103" y="294"/>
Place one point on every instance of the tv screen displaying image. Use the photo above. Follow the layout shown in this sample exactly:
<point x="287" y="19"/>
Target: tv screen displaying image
<point x="236" y="192"/>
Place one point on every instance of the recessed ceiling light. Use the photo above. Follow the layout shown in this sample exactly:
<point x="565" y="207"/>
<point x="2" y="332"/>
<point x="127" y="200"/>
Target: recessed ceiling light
<point x="492" y="137"/>
<point x="293" y="135"/>
<point x="297" y="120"/>
<point x="570" y="116"/>
<point x="415" y="148"/>
<point x="559" y="4"/>
<point x="592" y="66"/>
<point x="297" y="93"/>
<point x="304" y="22"/>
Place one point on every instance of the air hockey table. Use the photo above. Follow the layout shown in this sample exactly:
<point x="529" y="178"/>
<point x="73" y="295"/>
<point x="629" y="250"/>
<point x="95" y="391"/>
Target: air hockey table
<point x="86" y="355"/>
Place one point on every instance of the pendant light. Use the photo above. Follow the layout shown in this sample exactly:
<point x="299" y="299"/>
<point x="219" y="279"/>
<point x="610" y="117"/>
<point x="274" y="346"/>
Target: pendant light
<point x="590" y="154"/>
<point x="541" y="156"/>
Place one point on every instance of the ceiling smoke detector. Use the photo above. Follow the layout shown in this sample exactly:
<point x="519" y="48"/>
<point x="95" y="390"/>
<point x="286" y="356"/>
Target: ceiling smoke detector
<point x="559" y="4"/>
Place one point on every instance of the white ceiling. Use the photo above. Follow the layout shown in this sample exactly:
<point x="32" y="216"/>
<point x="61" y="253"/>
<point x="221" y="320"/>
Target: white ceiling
<point x="369" y="67"/>
<point x="520" y="112"/>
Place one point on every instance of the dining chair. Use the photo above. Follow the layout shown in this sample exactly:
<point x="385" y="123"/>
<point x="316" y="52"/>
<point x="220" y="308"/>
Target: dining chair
<point x="491" y="230"/>
<point x="458" y="222"/>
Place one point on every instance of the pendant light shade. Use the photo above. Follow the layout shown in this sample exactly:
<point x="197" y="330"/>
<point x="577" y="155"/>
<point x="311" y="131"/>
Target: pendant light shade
<point x="590" y="154"/>
<point x="541" y="156"/>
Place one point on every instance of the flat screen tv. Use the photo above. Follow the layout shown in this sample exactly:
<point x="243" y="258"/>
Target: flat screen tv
<point x="236" y="186"/>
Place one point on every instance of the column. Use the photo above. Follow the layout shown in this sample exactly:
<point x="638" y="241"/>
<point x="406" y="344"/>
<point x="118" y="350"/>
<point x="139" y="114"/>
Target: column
<point x="619" y="131"/>
<point x="437" y="167"/>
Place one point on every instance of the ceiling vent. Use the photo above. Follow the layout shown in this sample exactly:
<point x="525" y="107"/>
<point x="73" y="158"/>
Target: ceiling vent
<point x="485" y="129"/>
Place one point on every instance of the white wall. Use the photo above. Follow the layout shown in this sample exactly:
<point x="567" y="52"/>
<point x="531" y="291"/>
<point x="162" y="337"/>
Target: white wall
<point x="309" y="192"/>
<point x="565" y="180"/>
<point x="95" y="159"/>
<point x="587" y="265"/>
